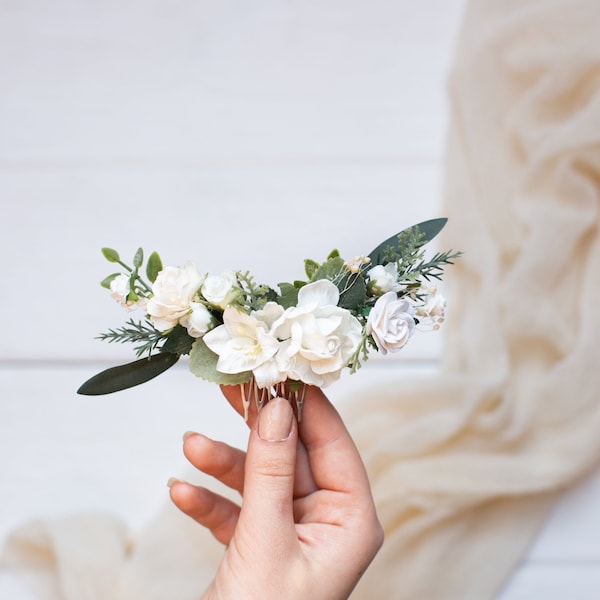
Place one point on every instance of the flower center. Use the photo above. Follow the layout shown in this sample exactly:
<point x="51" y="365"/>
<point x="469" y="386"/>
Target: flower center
<point x="333" y="344"/>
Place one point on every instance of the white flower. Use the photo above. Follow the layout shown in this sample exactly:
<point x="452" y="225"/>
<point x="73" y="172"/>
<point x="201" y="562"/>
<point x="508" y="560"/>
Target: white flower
<point x="174" y="290"/>
<point x="435" y="304"/>
<point x="198" y="321"/>
<point x="220" y="290"/>
<point x="319" y="336"/>
<point x="383" y="279"/>
<point x="244" y="343"/>
<point x="390" y="323"/>
<point x="120" y="289"/>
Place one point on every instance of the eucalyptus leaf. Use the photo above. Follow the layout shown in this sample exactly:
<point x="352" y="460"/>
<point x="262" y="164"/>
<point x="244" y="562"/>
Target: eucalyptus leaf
<point x="111" y="255"/>
<point x="178" y="341"/>
<point x="330" y="269"/>
<point x="105" y="283"/>
<point x="203" y="363"/>
<point x="310" y="266"/>
<point x="289" y="295"/>
<point x="126" y="376"/>
<point x="428" y="229"/>
<point x="154" y="267"/>
<point x="138" y="258"/>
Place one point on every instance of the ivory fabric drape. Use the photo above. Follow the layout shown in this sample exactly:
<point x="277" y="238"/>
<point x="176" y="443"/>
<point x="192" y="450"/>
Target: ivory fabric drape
<point x="465" y="466"/>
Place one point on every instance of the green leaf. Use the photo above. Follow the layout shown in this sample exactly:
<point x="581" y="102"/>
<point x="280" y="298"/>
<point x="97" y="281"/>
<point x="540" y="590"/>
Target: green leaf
<point x="310" y="266"/>
<point x="178" y="341"/>
<point x="333" y="269"/>
<point x="105" y="283"/>
<point x="289" y="295"/>
<point x="334" y="253"/>
<point x="353" y="294"/>
<point x="427" y="229"/>
<point x="111" y="255"/>
<point x="154" y="267"/>
<point x="122" y="377"/>
<point x="203" y="363"/>
<point x="138" y="258"/>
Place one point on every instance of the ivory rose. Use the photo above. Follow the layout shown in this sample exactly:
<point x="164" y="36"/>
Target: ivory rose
<point x="198" y="321"/>
<point x="383" y="279"/>
<point x="390" y="323"/>
<point x="119" y="288"/>
<point x="319" y="337"/>
<point x="173" y="292"/>
<point x="220" y="290"/>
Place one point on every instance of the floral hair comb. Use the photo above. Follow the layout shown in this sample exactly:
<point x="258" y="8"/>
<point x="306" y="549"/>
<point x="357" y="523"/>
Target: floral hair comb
<point x="236" y="331"/>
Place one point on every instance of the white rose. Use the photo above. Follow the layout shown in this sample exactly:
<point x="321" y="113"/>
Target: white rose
<point x="319" y="337"/>
<point x="198" y="321"/>
<point x="173" y="292"/>
<point x="220" y="290"/>
<point x="390" y="323"/>
<point x="120" y="289"/>
<point x="383" y="279"/>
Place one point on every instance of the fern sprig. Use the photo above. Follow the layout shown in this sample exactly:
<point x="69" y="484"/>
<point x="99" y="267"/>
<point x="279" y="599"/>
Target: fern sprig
<point x="433" y="268"/>
<point x="144" y="334"/>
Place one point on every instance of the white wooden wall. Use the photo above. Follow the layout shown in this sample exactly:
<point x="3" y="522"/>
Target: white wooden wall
<point x="241" y="134"/>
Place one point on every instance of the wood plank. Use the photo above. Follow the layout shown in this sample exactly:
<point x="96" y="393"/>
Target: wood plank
<point x="114" y="81"/>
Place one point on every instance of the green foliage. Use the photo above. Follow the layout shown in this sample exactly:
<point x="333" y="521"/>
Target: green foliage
<point x="105" y="283"/>
<point x="138" y="287"/>
<point x="433" y="268"/>
<point x="123" y="377"/>
<point x="396" y="245"/>
<point x="111" y="255"/>
<point x="353" y="292"/>
<point x="288" y="296"/>
<point x="203" y="363"/>
<point x="333" y="269"/>
<point x="138" y="258"/>
<point x="178" y="341"/>
<point x="333" y="254"/>
<point x="254" y="296"/>
<point x="144" y="334"/>
<point x="310" y="267"/>
<point x="153" y="267"/>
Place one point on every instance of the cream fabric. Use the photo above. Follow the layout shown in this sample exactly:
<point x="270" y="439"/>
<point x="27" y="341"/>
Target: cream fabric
<point x="464" y="467"/>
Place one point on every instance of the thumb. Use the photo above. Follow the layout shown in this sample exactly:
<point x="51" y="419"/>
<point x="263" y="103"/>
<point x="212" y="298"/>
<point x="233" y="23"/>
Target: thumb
<point x="267" y="507"/>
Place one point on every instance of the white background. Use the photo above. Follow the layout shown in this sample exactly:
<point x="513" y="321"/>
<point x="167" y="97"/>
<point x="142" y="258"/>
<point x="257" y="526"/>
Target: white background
<point x="243" y="134"/>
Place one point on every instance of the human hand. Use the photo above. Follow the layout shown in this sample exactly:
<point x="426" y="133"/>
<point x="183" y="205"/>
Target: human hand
<point x="307" y="527"/>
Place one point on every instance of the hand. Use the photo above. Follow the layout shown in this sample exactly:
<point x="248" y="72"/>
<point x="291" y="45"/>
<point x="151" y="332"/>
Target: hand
<point x="307" y="527"/>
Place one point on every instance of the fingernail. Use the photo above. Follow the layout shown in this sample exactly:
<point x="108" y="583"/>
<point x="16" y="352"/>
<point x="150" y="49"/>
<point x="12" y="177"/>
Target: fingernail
<point x="188" y="434"/>
<point x="275" y="420"/>
<point x="172" y="481"/>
